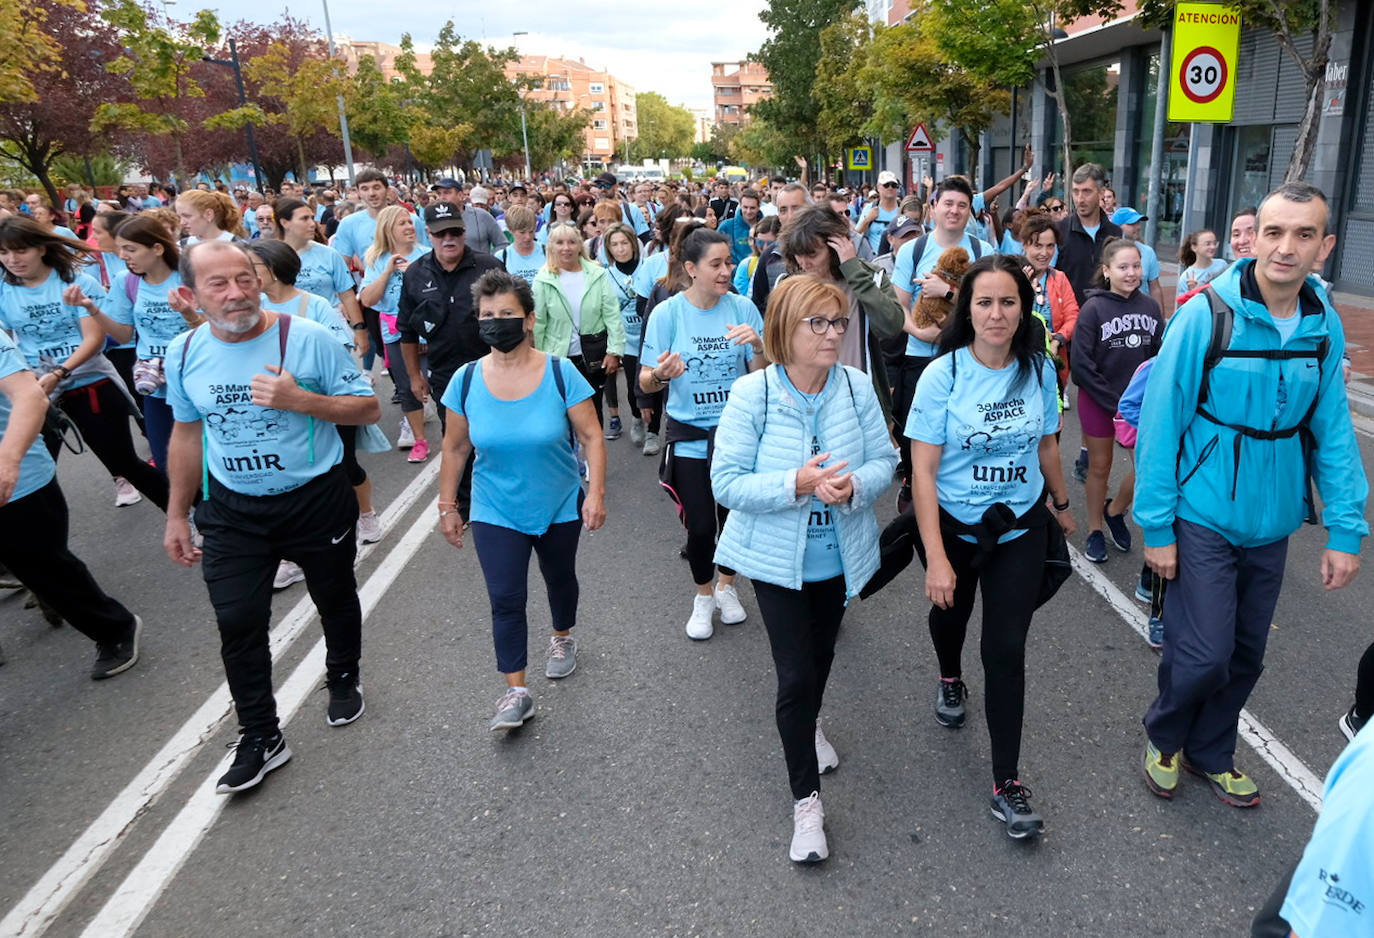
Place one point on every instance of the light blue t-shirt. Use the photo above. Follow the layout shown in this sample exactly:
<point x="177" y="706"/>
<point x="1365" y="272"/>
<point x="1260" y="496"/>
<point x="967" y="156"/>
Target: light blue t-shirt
<point x="1149" y="262"/>
<point x="821" y="557"/>
<point x="651" y="270"/>
<point x="1092" y="231"/>
<point x="155" y="323"/>
<point x="907" y="267"/>
<point x="324" y="272"/>
<point x="317" y="309"/>
<point x="114" y="265"/>
<point x="1287" y="326"/>
<point x="250" y="223"/>
<point x="990" y="424"/>
<point x="526" y="268"/>
<point x="713" y="362"/>
<point x="629" y="303"/>
<point x="356" y="233"/>
<point x="36" y="467"/>
<point x="1009" y="245"/>
<point x="47" y="330"/>
<point x="250" y="449"/>
<point x="390" y="303"/>
<point x="875" y="231"/>
<point x="1203" y="274"/>
<point x="1332" y="892"/>
<point x="974" y="227"/>
<point x="525" y="476"/>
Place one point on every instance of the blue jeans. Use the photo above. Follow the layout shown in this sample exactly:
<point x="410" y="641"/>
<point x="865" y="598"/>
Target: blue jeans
<point x="157" y="425"/>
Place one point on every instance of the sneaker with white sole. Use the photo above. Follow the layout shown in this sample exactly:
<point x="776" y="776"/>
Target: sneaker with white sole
<point x="513" y="708"/>
<point x="407" y="437"/>
<point x="808" y="830"/>
<point x="727" y="601"/>
<point x="125" y="493"/>
<point x="637" y="431"/>
<point x="1350" y="724"/>
<point x="613" y="429"/>
<point x="287" y="573"/>
<point x="255" y="757"/>
<point x="562" y="659"/>
<point x="827" y="760"/>
<point x="652" y="445"/>
<point x="345" y="699"/>
<point x="699" y="626"/>
<point x="419" y="452"/>
<point x="369" y="528"/>
<point x="117" y="657"/>
<point x="1011" y="805"/>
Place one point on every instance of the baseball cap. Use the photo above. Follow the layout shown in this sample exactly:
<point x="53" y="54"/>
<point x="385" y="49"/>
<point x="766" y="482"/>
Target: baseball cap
<point x="605" y="180"/>
<point x="901" y="226"/>
<point x="444" y="216"/>
<point x="448" y="182"/>
<point x="479" y="196"/>
<point x="887" y="176"/>
<point x="1126" y="215"/>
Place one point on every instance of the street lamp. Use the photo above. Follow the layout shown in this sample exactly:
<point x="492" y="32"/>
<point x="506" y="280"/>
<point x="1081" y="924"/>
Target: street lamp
<point x="233" y="62"/>
<point x="343" y="115"/>
<point x="524" y="131"/>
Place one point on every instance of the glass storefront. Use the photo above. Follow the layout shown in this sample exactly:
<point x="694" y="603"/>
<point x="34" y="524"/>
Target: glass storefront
<point x="1090" y="94"/>
<point x="1173" y="183"/>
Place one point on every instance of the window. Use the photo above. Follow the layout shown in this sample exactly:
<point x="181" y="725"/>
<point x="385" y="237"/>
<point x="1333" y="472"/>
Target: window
<point x="596" y="87"/>
<point x="559" y="84"/>
<point x="598" y="106"/>
<point x="598" y="125"/>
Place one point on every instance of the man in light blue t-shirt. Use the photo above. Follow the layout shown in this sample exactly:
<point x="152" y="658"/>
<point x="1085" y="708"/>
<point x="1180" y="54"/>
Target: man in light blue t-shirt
<point x="258" y="441"/>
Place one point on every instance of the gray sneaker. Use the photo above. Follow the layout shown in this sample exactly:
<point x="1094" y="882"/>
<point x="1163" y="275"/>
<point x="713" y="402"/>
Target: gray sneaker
<point x="512" y="710"/>
<point x="949" y="703"/>
<point x="562" y="657"/>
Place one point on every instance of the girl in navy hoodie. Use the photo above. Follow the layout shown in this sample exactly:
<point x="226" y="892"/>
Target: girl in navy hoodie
<point x="1119" y="328"/>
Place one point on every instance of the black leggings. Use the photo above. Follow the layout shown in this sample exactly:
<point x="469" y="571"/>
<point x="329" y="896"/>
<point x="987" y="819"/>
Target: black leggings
<point x="702" y="517"/>
<point x="904" y="391"/>
<point x="629" y="367"/>
<point x="802" y="626"/>
<point x="1011" y="581"/>
<point x="101" y="412"/>
<point x="1364" y="687"/>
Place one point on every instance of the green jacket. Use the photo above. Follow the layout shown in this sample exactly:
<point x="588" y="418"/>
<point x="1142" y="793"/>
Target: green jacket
<point x="553" y="322"/>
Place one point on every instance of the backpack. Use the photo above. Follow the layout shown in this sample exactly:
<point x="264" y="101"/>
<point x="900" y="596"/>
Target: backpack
<point x="918" y="251"/>
<point x="131" y="285"/>
<point x="466" y="386"/>
<point x="1219" y="347"/>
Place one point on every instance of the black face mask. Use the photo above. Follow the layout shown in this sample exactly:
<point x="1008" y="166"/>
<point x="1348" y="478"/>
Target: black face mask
<point x="502" y="334"/>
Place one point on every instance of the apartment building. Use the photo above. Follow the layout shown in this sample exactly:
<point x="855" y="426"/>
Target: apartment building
<point x="568" y="84"/>
<point x="735" y="86"/>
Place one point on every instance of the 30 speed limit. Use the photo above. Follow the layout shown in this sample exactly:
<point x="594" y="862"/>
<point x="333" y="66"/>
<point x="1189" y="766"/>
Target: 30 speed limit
<point x="1202" y="76"/>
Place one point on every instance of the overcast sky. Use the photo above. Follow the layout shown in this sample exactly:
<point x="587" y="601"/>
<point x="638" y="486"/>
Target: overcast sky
<point x="669" y="53"/>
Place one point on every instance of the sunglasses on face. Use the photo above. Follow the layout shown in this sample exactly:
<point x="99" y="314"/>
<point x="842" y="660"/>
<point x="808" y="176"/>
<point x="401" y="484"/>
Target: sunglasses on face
<point x="1056" y="208"/>
<point x="889" y="185"/>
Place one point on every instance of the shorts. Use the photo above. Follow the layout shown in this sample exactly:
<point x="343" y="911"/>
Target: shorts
<point x="1095" y="421"/>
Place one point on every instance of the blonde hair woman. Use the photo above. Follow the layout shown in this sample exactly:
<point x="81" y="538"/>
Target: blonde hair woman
<point x="208" y="216"/>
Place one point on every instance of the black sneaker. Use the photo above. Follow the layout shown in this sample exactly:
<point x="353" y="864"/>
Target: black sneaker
<point x="1350" y="723"/>
<point x="117" y="657"/>
<point x="345" y="699"/>
<point x="1011" y="804"/>
<point x="1116" y="527"/>
<point x="257" y="755"/>
<point x="949" y="703"/>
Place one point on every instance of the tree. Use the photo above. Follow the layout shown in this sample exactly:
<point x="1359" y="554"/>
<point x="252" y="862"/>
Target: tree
<point x="158" y="61"/>
<point x="762" y="144"/>
<point x="665" y="130"/>
<point x="33" y="47"/>
<point x="305" y="88"/>
<point x="555" y="135"/>
<point x="375" y="118"/>
<point x="846" y="103"/>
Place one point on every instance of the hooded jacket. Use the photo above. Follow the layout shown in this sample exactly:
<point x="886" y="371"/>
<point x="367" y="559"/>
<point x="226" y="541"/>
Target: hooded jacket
<point x="1252" y="492"/>
<point x="600" y="310"/>
<point x="1115" y="335"/>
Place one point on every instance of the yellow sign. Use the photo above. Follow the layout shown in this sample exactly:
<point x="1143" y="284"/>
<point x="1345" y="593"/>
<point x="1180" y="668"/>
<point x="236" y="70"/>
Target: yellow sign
<point x="1202" y="86"/>
<point x="860" y="157"/>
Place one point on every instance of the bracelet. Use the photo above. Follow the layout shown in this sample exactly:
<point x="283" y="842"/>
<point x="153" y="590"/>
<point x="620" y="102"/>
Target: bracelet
<point x="1061" y="508"/>
<point x="443" y="504"/>
<point x="443" y="513"/>
<point x="358" y="326"/>
<point x="662" y="382"/>
<point x="62" y="372"/>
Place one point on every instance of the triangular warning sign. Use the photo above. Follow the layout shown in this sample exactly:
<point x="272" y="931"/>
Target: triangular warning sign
<point x="919" y="141"/>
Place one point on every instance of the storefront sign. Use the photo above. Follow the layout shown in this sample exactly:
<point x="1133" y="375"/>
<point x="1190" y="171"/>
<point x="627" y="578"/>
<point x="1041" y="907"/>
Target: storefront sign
<point x="1206" y="43"/>
<point x="1337" y="77"/>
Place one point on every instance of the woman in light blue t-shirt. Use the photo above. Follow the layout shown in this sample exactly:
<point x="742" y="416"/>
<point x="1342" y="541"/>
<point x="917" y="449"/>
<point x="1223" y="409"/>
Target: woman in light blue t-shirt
<point x="518" y="409"/>
<point x="984" y="454"/>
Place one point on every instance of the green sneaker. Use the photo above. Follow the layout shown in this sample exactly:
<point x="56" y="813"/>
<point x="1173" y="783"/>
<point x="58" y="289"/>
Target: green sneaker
<point x="1161" y="771"/>
<point x="1235" y="788"/>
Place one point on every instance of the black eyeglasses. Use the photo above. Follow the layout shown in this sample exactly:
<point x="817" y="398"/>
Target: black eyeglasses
<point x="819" y="324"/>
<point x="1056" y="208"/>
<point x="889" y="185"/>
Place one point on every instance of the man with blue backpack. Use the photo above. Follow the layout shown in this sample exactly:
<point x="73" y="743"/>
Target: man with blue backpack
<point x="1245" y="408"/>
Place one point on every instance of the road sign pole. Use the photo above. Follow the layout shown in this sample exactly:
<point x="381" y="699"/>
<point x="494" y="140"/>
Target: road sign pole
<point x="1152" y="201"/>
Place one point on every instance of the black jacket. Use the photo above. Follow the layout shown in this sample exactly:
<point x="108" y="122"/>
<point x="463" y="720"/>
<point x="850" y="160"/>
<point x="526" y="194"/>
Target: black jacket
<point x="436" y="305"/>
<point x="1080" y="255"/>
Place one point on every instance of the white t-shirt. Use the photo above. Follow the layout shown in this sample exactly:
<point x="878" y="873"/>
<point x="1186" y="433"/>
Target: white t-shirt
<point x="573" y="283"/>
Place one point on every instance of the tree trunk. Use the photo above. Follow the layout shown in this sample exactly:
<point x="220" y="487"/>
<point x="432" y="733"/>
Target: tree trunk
<point x="181" y="162"/>
<point x="1062" y="102"/>
<point x="300" y="161"/>
<point x="1310" y="124"/>
<point x="36" y="157"/>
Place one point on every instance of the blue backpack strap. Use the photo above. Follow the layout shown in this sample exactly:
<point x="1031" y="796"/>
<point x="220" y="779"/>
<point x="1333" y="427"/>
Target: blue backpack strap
<point x="558" y="378"/>
<point x="465" y="387"/>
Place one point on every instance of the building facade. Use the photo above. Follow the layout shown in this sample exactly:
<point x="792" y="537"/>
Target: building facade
<point x="568" y="84"/>
<point x="734" y="87"/>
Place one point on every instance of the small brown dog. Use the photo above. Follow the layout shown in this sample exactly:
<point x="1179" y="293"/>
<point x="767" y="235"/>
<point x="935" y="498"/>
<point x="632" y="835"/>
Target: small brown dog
<point x="932" y="310"/>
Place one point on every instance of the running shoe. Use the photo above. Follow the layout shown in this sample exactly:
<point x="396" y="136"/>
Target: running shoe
<point x="369" y="528"/>
<point x="117" y="657"/>
<point x="512" y="710"/>
<point x="1096" y="547"/>
<point x="637" y="431"/>
<point x="652" y="446"/>
<point x="1011" y="805"/>
<point x="287" y="573"/>
<point x="613" y="429"/>
<point x="125" y="493"/>
<point x="1161" y="770"/>
<point x="699" y="626"/>
<point x="808" y="830"/>
<point x="1156" y="636"/>
<point x="727" y="601"/>
<point x="254" y="758"/>
<point x="1116" y="526"/>
<point x="1350" y="723"/>
<point x="345" y="699"/>
<point x="827" y="759"/>
<point x="1080" y="465"/>
<point x="949" y="703"/>
<point x="562" y="657"/>
<point x="1144" y="588"/>
<point x="419" y="452"/>
<point x="406" y="439"/>
<point x="903" y="499"/>
<point x="1235" y="788"/>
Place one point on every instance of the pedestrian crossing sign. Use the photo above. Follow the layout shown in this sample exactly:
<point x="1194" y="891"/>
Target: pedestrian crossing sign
<point x="860" y="157"/>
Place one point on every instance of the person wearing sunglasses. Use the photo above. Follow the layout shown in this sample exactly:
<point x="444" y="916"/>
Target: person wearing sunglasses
<point x="877" y="216"/>
<point x="563" y="209"/>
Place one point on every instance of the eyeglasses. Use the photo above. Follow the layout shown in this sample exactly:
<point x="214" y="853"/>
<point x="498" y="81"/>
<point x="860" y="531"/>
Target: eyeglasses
<point x="454" y="233"/>
<point x="819" y="324"/>
<point x="1056" y="208"/>
<point x="889" y="185"/>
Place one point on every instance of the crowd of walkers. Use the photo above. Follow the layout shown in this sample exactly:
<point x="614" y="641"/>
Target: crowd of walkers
<point x="790" y="354"/>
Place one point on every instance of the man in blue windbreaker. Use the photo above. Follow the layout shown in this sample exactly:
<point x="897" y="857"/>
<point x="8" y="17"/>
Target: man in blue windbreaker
<point x="1227" y="445"/>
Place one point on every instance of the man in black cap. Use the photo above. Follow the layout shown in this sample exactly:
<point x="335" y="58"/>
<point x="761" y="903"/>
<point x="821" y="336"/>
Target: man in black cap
<point x="436" y="305"/>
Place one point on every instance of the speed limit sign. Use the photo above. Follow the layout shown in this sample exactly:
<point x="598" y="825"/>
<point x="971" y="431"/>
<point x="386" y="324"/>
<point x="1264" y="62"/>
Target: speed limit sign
<point x="1202" y="84"/>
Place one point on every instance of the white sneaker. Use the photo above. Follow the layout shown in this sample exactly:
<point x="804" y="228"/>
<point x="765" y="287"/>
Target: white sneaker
<point x="652" y="446"/>
<point x="431" y="411"/>
<point x="287" y="573"/>
<point x="407" y="438"/>
<point x="827" y="760"/>
<point x="637" y="431"/>
<point x="699" y="626"/>
<point x="125" y="493"/>
<point x="369" y="528"/>
<point x="808" y="831"/>
<point x="727" y="601"/>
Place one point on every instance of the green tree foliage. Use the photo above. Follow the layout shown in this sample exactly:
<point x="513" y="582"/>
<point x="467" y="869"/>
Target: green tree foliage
<point x="304" y="88"/>
<point x="665" y="130"/>
<point x="32" y="47"/>
<point x="763" y="145"/>
<point x="846" y="103"/>
<point x="555" y="134"/>
<point x="375" y="118"/>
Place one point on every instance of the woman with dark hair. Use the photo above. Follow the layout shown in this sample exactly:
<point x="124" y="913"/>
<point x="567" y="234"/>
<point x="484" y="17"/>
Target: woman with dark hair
<point x="1055" y="304"/>
<point x="563" y="209"/>
<point x="984" y="453"/>
<point x="51" y="220"/>
<point x="695" y="345"/>
<point x="46" y="304"/>
<point x="324" y="272"/>
<point x="622" y="248"/>
<point x="138" y="308"/>
<point x="761" y="238"/>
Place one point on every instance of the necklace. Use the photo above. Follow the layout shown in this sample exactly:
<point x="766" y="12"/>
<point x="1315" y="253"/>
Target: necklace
<point x="983" y="363"/>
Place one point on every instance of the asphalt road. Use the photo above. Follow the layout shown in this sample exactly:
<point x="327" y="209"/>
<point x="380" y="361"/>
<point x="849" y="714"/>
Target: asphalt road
<point x="649" y="795"/>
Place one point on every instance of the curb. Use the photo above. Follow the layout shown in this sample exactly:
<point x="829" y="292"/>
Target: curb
<point x="1361" y="399"/>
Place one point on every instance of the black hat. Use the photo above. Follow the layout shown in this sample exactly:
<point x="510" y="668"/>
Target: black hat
<point x="605" y="180"/>
<point x="444" y="216"/>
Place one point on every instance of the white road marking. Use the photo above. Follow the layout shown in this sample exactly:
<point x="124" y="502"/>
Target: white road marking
<point x="1256" y="735"/>
<point x="136" y="896"/>
<point x="46" y="899"/>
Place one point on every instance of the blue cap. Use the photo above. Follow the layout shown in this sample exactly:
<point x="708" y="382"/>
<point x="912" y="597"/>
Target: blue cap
<point x="1126" y="215"/>
<point x="448" y="182"/>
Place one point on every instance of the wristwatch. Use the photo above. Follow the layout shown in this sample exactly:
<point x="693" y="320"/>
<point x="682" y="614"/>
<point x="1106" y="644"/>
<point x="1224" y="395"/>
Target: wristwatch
<point x="358" y="326"/>
<point x="949" y="295"/>
<point x="62" y="372"/>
